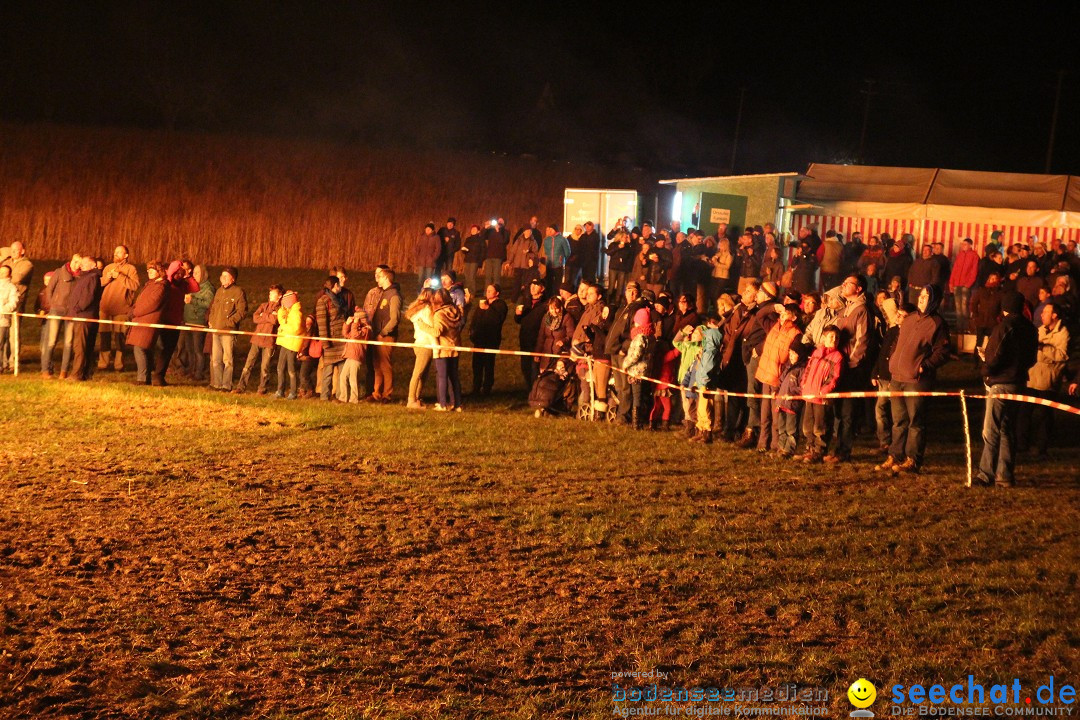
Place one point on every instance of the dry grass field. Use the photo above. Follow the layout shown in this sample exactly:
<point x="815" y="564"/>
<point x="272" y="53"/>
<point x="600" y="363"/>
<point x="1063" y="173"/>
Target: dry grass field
<point x="260" y="201"/>
<point x="186" y="554"/>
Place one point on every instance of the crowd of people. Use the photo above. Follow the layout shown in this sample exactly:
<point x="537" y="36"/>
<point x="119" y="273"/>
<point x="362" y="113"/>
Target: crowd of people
<point x="684" y="326"/>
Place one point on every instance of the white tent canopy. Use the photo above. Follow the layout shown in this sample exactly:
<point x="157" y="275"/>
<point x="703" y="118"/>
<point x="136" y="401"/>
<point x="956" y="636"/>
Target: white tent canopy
<point x="939" y="205"/>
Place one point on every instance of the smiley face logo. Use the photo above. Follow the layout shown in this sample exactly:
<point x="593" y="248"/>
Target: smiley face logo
<point x="862" y="693"/>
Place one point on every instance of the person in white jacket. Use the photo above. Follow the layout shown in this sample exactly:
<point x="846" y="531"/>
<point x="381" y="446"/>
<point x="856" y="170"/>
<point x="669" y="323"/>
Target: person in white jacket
<point x="9" y="302"/>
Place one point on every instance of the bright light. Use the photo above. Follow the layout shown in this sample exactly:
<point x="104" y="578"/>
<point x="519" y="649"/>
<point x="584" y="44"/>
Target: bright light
<point x="676" y="206"/>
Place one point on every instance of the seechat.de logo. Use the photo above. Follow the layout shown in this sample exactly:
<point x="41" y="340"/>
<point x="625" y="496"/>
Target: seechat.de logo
<point x="862" y="694"/>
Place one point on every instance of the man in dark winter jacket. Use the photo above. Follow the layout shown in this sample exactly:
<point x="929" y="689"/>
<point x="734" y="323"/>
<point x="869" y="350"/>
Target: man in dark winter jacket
<point x="1010" y="353"/>
<point x="921" y="348"/>
<point x="84" y="302"/>
<point x="486" y="332"/>
<point x="529" y="314"/>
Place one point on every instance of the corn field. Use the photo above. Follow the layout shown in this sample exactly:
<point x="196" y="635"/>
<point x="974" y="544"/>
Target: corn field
<point x="258" y="201"/>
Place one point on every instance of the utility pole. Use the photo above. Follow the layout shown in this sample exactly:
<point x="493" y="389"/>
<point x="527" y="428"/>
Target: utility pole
<point x="1053" y="121"/>
<point x="738" y="124"/>
<point x="868" y="92"/>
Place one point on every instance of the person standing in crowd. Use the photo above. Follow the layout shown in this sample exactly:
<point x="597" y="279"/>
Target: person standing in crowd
<point x="990" y="263"/>
<point x="881" y="377"/>
<point x="925" y="271"/>
<point x="753" y="342"/>
<point x="290" y="328"/>
<point x="657" y="263"/>
<point x="308" y="356"/>
<point x="774" y="355"/>
<point x="830" y="256"/>
<point x="196" y="311"/>
<point x="347" y="295"/>
<point x="22" y="271"/>
<point x="621" y="253"/>
<point x="1043" y="380"/>
<point x="749" y="262"/>
<point x="1009" y="354"/>
<point x="148" y="309"/>
<point x="590" y="337"/>
<point x="384" y="323"/>
<point x="521" y="256"/>
<point x="873" y="255"/>
<point x="985" y="307"/>
<point x="803" y="268"/>
<point x="356" y="330"/>
<point x="573" y="302"/>
<point x="707" y="375"/>
<point x="330" y="323"/>
<point x="119" y="282"/>
<point x="790" y="408"/>
<point x="473" y="249"/>
<point x="921" y="348"/>
<point x="450" y="238"/>
<point x="263" y="345"/>
<point x="554" y="252"/>
<point x="856" y="323"/>
<point x="721" y="263"/>
<point x="821" y="376"/>
<point x="496" y="240"/>
<point x="446" y="328"/>
<point x="9" y="303"/>
<point x="556" y="332"/>
<point x="589" y="250"/>
<point x="227" y="311"/>
<point x="486" y="332"/>
<point x="421" y="315"/>
<point x="636" y="365"/>
<point x="1030" y="283"/>
<point x="529" y="315"/>
<point x="618" y="342"/>
<point x="898" y="259"/>
<point x="57" y="294"/>
<point x="961" y="280"/>
<point x="177" y="286"/>
<point x="84" y="302"/>
<point x="427" y="252"/>
<point x="733" y="377"/>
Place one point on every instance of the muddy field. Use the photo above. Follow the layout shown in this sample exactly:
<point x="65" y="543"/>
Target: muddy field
<point x="185" y="554"/>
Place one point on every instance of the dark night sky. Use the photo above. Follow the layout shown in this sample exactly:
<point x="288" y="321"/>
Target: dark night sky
<point x="963" y="88"/>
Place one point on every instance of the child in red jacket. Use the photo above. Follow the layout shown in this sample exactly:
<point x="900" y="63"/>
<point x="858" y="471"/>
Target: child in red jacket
<point x="820" y="378"/>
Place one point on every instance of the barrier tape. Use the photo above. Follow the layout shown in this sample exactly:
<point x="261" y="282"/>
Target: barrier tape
<point x="1064" y="407"/>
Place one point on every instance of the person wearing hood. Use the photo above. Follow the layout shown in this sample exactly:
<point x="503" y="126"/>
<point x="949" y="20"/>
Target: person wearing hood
<point x="290" y="328"/>
<point x="921" y="348"/>
<point x="330" y="316"/>
<point x="687" y="343"/>
<point x="985" y="307"/>
<point x="636" y="364"/>
<point x="196" y="308"/>
<point x="706" y="378"/>
<point x="119" y="283"/>
<point x="1010" y="353"/>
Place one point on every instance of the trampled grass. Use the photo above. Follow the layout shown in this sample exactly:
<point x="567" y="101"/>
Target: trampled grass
<point x="182" y="553"/>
